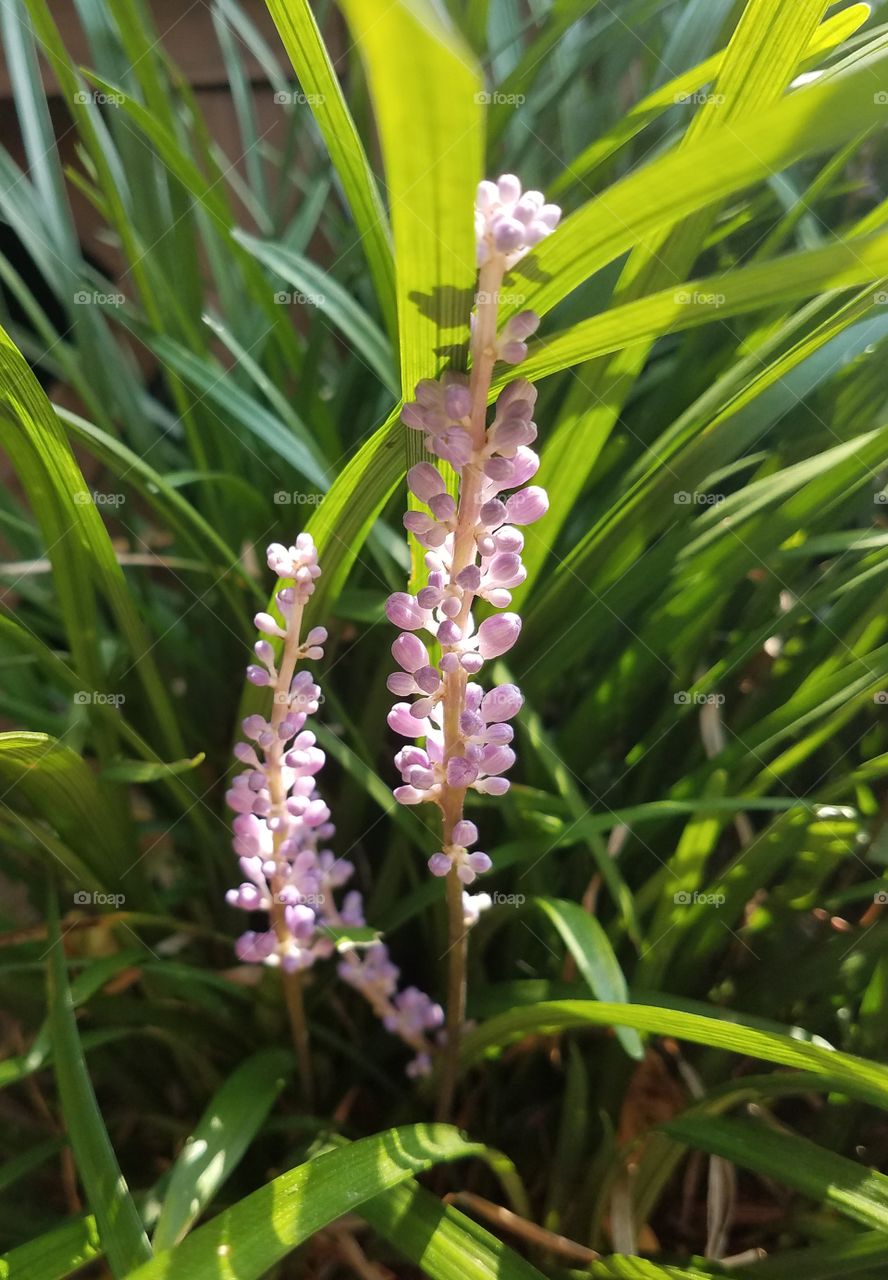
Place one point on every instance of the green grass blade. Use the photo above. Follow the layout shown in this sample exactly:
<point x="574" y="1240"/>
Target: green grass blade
<point x="120" y="1228"/>
<point x="425" y="86"/>
<point x="862" y="1079"/>
<point x="591" y="949"/>
<point x="441" y="1241"/>
<point x="311" y="61"/>
<point x="62" y="790"/>
<point x="257" y="1232"/>
<point x="54" y="1256"/>
<point x="850" y="1188"/>
<point x="332" y="300"/>
<point x="711" y="299"/>
<point x="219" y="1141"/>
<point x="76" y="540"/>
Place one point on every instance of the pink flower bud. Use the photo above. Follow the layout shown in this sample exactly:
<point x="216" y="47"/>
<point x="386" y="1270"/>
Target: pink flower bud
<point x="403" y="611"/>
<point x="425" y="481"/>
<point x="527" y="505"/>
<point x="496" y="636"/>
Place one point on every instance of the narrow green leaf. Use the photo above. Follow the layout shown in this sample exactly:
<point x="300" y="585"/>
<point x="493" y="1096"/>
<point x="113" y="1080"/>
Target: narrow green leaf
<point x="60" y="788"/>
<point x="248" y="1239"/>
<point x="426" y="89"/>
<point x="862" y="1079"/>
<point x="148" y="770"/>
<point x="311" y="61"/>
<point x="55" y="1255"/>
<point x="850" y="1188"/>
<point x="444" y="1243"/>
<point x="713" y="299"/>
<point x="123" y="1239"/>
<point x="330" y="299"/>
<point x="215" y="1148"/>
<point x="591" y="949"/>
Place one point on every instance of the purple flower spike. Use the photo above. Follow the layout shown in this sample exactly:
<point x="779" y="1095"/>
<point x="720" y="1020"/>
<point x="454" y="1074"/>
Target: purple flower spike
<point x="474" y="546"/>
<point x="282" y="824"/>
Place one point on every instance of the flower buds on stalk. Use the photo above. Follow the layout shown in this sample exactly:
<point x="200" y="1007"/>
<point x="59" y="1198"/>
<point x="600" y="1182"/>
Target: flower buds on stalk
<point x="473" y="549"/>
<point x="282" y="824"/>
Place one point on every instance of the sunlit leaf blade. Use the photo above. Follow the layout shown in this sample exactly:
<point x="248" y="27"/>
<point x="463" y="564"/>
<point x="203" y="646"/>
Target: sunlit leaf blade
<point x="440" y="1240"/>
<point x="258" y="1231"/>
<point x="223" y="1134"/>
<point x="426" y="90"/>
<point x="862" y="1078"/>
<point x="712" y="299"/>
<point x="53" y="1256"/>
<point x="302" y="40"/>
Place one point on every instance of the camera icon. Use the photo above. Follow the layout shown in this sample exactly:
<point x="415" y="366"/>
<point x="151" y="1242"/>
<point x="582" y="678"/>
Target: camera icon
<point x="82" y="898"/>
<point x="881" y="898"/>
<point x="282" y="498"/>
<point x="682" y="297"/>
<point x="682" y="898"/>
<point x="682" y="698"/>
<point x="482" y="98"/>
<point x="81" y="297"/>
<point x="681" y="499"/>
<point x="282" y="298"/>
<point x="283" y="98"/>
<point x="881" y="98"/>
<point x="82" y="697"/>
<point x="81" y="96"/>
<point x="881" y="499"/>
<point x="880" y="697"/>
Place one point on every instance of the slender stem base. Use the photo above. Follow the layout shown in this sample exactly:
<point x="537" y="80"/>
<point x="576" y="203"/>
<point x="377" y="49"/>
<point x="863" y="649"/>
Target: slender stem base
<point x="293" y="998"/>
<point x="456" y="995"/>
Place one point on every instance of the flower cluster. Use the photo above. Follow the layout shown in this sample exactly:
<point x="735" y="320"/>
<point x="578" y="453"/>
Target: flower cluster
<point x="282" y="825"/>
<point x="510" y="223"/>
<point x="473" y="550"/>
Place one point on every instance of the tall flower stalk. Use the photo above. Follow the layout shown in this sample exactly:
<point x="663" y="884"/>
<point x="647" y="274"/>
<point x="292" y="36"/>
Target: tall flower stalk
<point x="474" y="546"/>
<point x="281" y="828"/>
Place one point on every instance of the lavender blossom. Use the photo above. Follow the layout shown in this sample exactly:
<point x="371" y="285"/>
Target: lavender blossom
<point x="283" y="825"/>
<point x="473" y="547"/>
